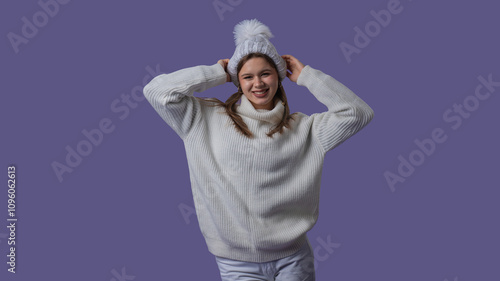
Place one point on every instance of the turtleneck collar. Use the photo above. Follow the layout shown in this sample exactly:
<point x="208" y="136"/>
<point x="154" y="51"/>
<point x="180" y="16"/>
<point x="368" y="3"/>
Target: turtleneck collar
<point x="272" y="116"/>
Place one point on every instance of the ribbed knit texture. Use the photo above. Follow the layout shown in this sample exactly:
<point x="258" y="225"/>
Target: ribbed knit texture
<point x="255" y="198"/>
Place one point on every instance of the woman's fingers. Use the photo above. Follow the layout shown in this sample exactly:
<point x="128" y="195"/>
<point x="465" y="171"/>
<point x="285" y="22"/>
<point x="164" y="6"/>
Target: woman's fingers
<point x="224" y="63"/>
<point x="291" y="61"/>
<point x="294" y="65"/>
<point x="288" y="58"/>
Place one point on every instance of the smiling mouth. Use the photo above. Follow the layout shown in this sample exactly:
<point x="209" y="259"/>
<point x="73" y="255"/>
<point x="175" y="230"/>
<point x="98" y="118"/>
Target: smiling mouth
<point x="260" y="94"/>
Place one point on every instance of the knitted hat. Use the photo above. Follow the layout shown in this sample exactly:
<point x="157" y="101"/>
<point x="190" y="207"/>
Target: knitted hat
<point x="251" y="36"/>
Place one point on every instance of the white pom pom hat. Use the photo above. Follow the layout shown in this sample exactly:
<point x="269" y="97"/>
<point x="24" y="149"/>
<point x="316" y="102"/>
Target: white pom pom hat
<point x="252" y="36"/>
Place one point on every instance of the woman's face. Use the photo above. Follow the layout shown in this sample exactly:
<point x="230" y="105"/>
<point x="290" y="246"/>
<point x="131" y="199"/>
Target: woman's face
<point x="259" y="83"/>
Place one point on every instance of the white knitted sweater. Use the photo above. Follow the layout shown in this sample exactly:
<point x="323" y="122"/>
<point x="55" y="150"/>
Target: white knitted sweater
<point x="255" y="199"/>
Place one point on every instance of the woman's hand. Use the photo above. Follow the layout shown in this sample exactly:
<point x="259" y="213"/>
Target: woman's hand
<point x="295" y="67"/>
<point x="224" y="63"/>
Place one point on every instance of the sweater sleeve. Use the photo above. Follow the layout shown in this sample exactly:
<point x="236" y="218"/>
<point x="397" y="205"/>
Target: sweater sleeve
<point x="171" y="95"/>
<point x="347" y="113"/>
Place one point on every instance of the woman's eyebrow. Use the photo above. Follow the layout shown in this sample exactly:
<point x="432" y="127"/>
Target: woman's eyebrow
<point x="267" y="69"/>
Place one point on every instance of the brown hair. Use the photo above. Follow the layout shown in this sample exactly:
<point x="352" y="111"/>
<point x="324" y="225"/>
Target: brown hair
<point x="230" y="104"/>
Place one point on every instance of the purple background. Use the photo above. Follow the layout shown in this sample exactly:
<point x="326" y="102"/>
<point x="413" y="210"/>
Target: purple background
<point x="119" y="208"/>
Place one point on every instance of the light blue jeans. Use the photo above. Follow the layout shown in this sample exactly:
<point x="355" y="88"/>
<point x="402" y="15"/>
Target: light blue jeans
<point x="297" y="267"/>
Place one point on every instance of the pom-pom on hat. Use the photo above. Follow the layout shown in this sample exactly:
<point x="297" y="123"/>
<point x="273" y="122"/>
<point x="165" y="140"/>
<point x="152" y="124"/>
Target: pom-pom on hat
<point x="252" y="36"/>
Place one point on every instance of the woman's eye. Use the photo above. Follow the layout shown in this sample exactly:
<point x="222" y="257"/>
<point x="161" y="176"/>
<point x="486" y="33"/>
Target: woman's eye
<point x="247" y="77"/>
<point x="265" y="74"/>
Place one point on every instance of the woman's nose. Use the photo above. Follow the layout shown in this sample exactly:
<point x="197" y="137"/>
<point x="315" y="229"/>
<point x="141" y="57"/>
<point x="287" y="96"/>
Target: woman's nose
<point x="259" y="82"/>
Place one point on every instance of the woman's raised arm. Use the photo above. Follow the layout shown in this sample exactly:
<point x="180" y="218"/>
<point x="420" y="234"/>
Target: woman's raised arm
<point x="171" y="95"/>
<point x="347" y="113"/>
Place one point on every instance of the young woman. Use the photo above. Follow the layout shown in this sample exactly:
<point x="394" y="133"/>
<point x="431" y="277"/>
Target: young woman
<point x="255" y="169"/>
